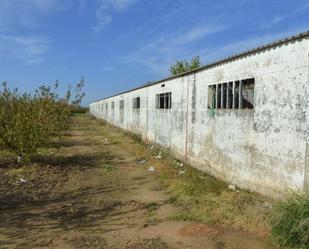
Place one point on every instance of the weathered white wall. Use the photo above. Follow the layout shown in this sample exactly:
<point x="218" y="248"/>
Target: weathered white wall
<point x="263" y="149"/>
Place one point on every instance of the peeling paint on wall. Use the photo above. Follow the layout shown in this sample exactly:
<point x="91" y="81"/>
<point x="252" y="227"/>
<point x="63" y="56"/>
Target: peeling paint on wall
<point x="262" y="149"/>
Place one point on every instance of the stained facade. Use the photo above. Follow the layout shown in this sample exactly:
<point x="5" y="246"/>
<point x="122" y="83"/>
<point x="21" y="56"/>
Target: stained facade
<point x="243" y="119"/>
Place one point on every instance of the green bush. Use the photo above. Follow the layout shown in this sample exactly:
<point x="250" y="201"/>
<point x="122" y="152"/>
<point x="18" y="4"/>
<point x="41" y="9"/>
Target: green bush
<point x="290" y="223"/>
<point x="30" y="121"/>
<point x="80" y="109"/>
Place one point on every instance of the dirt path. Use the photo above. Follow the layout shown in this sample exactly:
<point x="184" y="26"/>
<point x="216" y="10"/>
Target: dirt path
<point x="92" y="192"/>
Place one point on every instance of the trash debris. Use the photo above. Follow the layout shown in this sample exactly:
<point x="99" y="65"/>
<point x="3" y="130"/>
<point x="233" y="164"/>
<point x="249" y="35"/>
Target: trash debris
<point x="232" y="187"/>
<point x="180" y="164"/>
<point x="68" y="204"/>
<point x="158" y="156"/>
<point x="152" y="147"/>
<point x="22" y="180"/>
<point x="106" y="139"/>
<point x="267" y="205"/>
<point x="151" y="169"/>
<point x="19" y="159"/>
<point x="182" y="172"/>
<point x="143" y="161"/>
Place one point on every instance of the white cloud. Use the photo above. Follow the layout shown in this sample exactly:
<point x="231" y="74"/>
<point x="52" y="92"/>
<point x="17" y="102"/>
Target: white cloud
<point x="105" y="9"/>
<point x="279" y="18"/>
<point x="303" y="8"/>
<point x="196" y="34"/>
<point x="107" y="69"/>
<point x="159" y="54"/>
<point x="18" y="17"/>
<point x="270" y="23"/>
<point x="30" y="50"/>
<point x="246" y="44"/>
<point x="26" y="13"/>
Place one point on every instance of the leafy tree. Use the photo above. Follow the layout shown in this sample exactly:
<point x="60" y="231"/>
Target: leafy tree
<point x="30" y="121"/>
<point x="184" y="66"/>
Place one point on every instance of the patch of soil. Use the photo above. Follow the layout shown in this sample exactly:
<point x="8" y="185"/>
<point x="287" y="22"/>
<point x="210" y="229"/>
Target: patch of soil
<point x="68" y="211"/>
<point x="148" y="244"/>
<point x="91" y="242"/>
<point x="31" y="183"/>
<point x="94" y="195"/>
<point x="196" y="229"/>
<point x="166" y="211"/>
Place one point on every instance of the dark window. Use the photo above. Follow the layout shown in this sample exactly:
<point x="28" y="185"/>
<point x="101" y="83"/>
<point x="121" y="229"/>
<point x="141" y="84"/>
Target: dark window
<point x="223" y="95"/>
<point x="164" y="100"/>
<point x="248" y="94"/>
<point x="237" y="95"/>
<point x="137" y="103"/>
<point x="113" y="104"/>
<point x="121" y="104"/>
<point x="229" y="95"/>
<point x="218" y="96"/>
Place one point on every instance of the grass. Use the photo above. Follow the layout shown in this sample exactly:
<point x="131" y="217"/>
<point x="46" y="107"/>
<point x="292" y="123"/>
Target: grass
<point x="108" y="168"/>
<point x="203" y="197"/>
<point x="208" y="200"/>
<point x="6" y="154"/>
<point x="291" y="222"/>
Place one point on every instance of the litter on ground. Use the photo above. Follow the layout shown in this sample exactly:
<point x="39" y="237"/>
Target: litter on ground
<point x="22" y="180"/>
<point x="151" y="169"/>
<point x="143" y="161"/>
<point x="158" y="156"/>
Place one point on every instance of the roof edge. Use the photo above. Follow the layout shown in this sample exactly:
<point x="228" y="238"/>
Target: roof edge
<point x="218" y="62"/>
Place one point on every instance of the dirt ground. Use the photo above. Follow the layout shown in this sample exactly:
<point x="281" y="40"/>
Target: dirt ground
<point x="91" y="191"/>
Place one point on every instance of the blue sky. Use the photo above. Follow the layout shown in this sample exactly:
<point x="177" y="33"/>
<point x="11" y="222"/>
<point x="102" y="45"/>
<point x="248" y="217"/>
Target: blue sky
<point x="120" y="44"/>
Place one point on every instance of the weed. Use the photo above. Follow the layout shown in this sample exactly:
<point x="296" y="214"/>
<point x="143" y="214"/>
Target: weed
<point x="152" y="206"/>
<point x="133" y="136"/>
<point x="80" y="110"/>
<point x="291" y="222"/>
<point x="108" y="168"/>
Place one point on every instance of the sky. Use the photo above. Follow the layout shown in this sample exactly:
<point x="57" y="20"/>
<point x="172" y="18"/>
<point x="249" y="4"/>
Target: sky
<point x="120" y="44"/>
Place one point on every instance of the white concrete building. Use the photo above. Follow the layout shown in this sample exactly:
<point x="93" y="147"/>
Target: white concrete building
<point x="243" y="119"/>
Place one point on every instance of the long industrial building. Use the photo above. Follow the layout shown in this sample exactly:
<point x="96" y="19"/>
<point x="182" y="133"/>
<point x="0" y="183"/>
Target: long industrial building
<point x="243" y="119"/>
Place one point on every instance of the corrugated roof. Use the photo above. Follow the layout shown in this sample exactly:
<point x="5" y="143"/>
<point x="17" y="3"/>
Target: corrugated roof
<point x="216" y="63"/>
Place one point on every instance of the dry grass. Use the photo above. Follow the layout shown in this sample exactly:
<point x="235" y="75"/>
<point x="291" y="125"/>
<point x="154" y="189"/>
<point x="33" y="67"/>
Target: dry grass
<point x="204" y="198"/>
<point x="85" y="182"/>
<point x="208" y="200"/>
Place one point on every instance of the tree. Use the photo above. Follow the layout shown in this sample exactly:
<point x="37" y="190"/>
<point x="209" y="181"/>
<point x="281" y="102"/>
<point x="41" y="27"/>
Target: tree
<point x="184" y="66"/>
<point x="31" y="121"/>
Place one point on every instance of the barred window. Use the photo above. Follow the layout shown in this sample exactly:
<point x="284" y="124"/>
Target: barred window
<point x="137" y="103"/>
<point x="164" y="100"/>
<point x="232" y="95"/>
<point x="121" y="104"/>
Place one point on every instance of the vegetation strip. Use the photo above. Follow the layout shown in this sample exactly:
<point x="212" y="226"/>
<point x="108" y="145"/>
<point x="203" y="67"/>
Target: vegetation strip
<point x="208" y="200"/>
